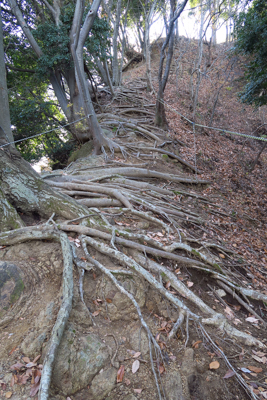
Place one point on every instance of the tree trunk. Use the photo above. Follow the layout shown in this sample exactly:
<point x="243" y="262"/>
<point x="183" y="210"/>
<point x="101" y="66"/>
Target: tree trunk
<point x="123" y="41"/>
<point x="198" y="66"/>
<point x="160" y="117"/>
<point x="115" y="62"/>
<point x="5" y="133"/>
<point x="22" y="190"/>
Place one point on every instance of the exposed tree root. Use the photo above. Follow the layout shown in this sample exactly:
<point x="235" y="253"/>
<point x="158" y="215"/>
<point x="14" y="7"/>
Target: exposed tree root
<point x="45" y="232"/>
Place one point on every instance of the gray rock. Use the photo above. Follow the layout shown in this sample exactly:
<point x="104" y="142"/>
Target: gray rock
<point x="103" y="383"/>
<point x="173" y="386"/>
<point x="121" y="307"/>
<point x="130" y="397"/>
<point x="78" y="360"/>
<point x="188" y="365"/>
<point x="11" y="285"/>
<point x="138" y="341"/>
<point x="32" y="345"/>
<point x="80" y="315"/>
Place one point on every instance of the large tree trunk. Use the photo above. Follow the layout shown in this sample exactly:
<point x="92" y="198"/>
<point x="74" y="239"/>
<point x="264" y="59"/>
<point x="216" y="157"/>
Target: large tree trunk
<point x="22" y="190"/>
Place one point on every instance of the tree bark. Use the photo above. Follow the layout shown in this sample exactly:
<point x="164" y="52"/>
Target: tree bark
<point x="115" y="62"/>
<point x="22" y="190"/>
<point x="6" y="132"/>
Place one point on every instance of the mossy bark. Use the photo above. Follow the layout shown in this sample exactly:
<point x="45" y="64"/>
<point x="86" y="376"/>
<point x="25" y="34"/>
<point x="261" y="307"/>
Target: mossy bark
<point x="22" y="190"/>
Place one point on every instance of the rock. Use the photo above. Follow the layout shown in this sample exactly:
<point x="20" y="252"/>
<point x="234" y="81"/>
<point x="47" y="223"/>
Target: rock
<point x="130" y="397"/>
<point x="80" y="315"/>
<point x="135" y="340"/>
<point x="188" y="365"/>
<point x="32" y="345"/>
<point x="78" y="360"/>
<point x="84" y="151"/>
<point x="173" y="386"/>
<point x="120" y="306"/>
<point x="220" y="292"/>
<point x="103" y="383"/>
<point x="11" y="285"/>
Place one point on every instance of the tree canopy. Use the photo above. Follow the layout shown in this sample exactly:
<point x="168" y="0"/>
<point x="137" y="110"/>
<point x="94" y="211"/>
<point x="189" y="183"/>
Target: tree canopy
<point x="251" y="36"/>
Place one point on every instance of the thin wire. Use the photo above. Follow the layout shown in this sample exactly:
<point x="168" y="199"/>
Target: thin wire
<point x="43" y="133"/>
<point x="210" y="127"/>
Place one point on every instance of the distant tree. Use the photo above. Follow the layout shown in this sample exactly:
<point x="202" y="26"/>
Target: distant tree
<point x="251" y="34"/>
<point x="164" y="70"/>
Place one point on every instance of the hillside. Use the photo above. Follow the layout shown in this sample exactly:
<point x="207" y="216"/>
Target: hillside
<point x="169" y="285"/>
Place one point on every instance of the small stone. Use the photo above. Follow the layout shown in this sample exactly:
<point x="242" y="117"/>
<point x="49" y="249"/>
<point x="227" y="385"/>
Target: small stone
<point x="220" y="292"/>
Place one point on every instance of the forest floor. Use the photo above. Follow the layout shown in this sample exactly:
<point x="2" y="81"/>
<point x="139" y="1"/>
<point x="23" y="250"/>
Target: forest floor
<point x="226" y="216"/>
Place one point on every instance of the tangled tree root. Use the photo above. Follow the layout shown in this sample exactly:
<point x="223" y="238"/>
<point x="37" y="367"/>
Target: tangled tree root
<point x="137" y="263"/>
<point x="154" y="197"/>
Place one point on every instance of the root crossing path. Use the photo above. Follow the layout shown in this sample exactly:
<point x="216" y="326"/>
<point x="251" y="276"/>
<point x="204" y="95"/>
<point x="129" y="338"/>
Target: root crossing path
<point x="146" y="221"/>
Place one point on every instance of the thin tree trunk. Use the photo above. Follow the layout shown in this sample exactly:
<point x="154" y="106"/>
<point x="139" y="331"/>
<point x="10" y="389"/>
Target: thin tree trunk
<point x="6" y="132"/>
<point x="123" y="41"/>
<point x="115" y="62"/>
<point x="160" y="115"/>
<point x="149" y="16"/>
<point x="200" y="53"/>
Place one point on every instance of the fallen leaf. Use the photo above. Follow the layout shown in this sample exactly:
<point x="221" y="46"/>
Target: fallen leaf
<point x="12" y="351"/>
<point x="246" y="370"/>
<point x="37" y="358"/>
<point x="127" y="381"/>
<point x="34" y="389"/>
<point x="262" y="360"/>
<point x="120" y="374"/>
<point x="96" y="313"/>
<point x="195" y="345"/>
<point x="253" y="320"/>
<point x="23" y="379"/>
<point x="8" y="395"/>
<point x="189" y="284"/>
<point x="168" y="284"/>
<point x="26" y="360"/>
<point x="221" y="255"/>
<point x="30" y="365"/>
<point x="108" y="300"/>
<point x="255" y="369"/>
<point x="259" y="353"/>
<point x="214" y="365"/>
<point x="137" y="354"/>
<point x="229" y="374"/>
<point x="17" y="366"/>
<point x="229" y="313"/>
<point x="161" y="368"/>
<point x="138" y="390"/>
<point x="135" y="366"/>
<point x="237" y="321"/>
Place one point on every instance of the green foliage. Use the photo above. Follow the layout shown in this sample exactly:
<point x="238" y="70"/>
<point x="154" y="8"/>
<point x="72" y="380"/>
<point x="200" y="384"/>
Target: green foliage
<point x="98" y="42"/>
<point x="251" y="35"/>
<point x="54" y="41"/>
